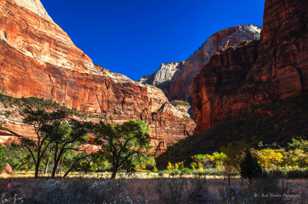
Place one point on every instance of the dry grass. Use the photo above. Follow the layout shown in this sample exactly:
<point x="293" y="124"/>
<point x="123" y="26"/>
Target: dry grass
<point x="152" y="191"/>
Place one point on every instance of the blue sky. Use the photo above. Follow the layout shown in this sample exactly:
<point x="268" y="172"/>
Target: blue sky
<point x="134" y="36"/>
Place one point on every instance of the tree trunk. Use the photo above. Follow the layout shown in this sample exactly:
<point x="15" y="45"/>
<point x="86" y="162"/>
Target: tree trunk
<point x="37" y="168"/>
<point x="114" y="174"/>
<point x="54" y="169"/>
<point x="46" y="167"/>
<point x="68" y="172"/>
<point x="114" y="171"/>
<point x="229" y="179"/>
<point x="70" y="169"/>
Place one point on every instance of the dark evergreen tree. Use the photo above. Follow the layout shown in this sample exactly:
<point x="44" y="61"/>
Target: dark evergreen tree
<point x="250" y="168"/>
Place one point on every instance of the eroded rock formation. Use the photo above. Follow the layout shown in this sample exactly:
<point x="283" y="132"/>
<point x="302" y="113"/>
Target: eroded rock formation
<point x="37" y="58"/>
<point x="275" y="67"/>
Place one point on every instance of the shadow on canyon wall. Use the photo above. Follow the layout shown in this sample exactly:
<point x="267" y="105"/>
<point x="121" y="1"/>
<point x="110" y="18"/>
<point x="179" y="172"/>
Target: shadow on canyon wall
<point x="275" y="123"/>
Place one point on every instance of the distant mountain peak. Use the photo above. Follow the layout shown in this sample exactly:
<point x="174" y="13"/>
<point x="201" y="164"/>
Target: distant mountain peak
<point x="164" y="73"/>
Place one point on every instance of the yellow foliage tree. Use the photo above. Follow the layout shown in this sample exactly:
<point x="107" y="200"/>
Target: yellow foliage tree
<point x="297" y="158"/>
<point x="176" y="166"/>
<point x="270" y="159"/>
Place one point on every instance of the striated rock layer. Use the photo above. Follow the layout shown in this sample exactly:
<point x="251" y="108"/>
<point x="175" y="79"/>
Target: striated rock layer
<point x="37" y="58"/>
<point x="39" y="37"/>
<point x="275" y="67"/>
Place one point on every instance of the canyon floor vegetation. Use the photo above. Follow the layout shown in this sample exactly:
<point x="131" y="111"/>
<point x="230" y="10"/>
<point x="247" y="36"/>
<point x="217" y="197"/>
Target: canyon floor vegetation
<point x="103" y="163"/>
<point x="66" y="144"/>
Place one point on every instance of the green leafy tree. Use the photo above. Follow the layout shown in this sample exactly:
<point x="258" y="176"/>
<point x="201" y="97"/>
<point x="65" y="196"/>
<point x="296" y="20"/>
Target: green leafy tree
<point x="298" y="143"/>
<point x="145" y="163"/>
<point x="14" y="156"/>
<point x="217" y="160"/>
<point x="65" y="138"/>
<point x="73" y="160"/>
<point x="39" y="118"/>
<point x="198" y="162"/>
<point x="202" y="161"/>
<point x="57" y="140"/>
<point x="18" y="158"/>
<point x="250" y="168"/>
<point x="2" y="157"/>
<point x="175" y="167"/>
<point x="98" y="163"/>
<point x="122" y="144"/>
<point x="95" y="162"/>
<point x="297" y="154"/>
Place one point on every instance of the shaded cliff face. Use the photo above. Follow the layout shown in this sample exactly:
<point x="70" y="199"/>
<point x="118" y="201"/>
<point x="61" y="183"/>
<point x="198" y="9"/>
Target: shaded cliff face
<point x="176" y="79"/>
<point x="37" y="58"/>
<point x="276" y="67"/>
<point x="181" y="85"/>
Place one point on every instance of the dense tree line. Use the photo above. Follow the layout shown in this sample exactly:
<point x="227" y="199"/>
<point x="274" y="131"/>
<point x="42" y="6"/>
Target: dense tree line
<point x="60" y="144"/>
<point x="64" y="143"/>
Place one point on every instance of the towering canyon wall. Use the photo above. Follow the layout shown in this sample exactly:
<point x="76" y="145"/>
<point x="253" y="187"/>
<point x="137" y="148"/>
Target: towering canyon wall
<point x="275" y="67"/>
<point x="178" y="83"/>
<point x="181" y="86"/>
<point x="38" y="59"/>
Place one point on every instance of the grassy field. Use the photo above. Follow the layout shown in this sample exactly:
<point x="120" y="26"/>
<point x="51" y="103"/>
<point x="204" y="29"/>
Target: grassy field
<point x="152" y="191"/>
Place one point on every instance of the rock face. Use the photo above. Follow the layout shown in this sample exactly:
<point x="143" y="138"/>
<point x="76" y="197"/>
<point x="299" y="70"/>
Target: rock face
<point x="26" y="27"/>
<point x="181" y="85"/>
<point x="176" y="78"/>
<point x="162" y="78"/>
<point x="37" y="58"/>
<point x="35" y="6"/>
<point x="163" y="75"/>
<point x="275" y="67"/>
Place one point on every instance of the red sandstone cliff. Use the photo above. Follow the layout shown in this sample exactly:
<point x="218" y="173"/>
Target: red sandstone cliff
<point x="37" y="58"/>
<point x="176" y="79"/>
<point x="181" y="85"/>
<point x="276" y="67"/>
